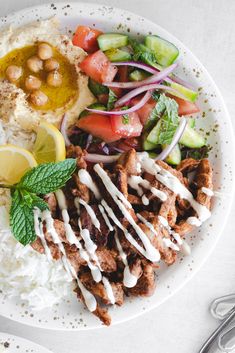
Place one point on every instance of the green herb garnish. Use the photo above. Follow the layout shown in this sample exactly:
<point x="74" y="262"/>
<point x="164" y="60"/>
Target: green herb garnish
<point x="111" y="100"/>
<point x="166" y="110"/>
<point x="125" y="119"/>
<point x="142" y="53"/>
<point x="40" y="180"/>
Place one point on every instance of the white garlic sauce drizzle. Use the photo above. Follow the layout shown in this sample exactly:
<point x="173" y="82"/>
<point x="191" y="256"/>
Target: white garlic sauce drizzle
<point x="136" y="181"/>
<point x="89" y="298"/>
<point x="184" y="247"/>
<point x="129" y="280"/>
<point x="109" y="290"/>
<point x="95" y="271"/>
<point x="39" y="232"/>
<point x="173" y="183"/>
<point x="91" y="213"/>
<point x="128" y="236"/>
<point x="106" y="219"/>
<point x="145" y="200"/>
<point x="86" y="179"/>
<point x="194" y="221"/>
<point x="167" y="242"/>
<point x="149" y="252"/>
<point x="207" y="191"/>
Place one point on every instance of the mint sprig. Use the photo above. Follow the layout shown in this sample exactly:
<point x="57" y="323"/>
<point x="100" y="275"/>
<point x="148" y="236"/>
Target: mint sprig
<point x="38" y="181"/>
<point x="48" y="177"/>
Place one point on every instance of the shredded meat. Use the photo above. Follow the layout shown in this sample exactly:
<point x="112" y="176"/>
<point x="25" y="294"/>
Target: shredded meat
<point x="101" y="246"/>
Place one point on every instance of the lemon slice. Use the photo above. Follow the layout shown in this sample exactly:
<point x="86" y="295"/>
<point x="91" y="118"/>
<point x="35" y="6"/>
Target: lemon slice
<point x="49" y="145"/>
<point x="14" y="163"/>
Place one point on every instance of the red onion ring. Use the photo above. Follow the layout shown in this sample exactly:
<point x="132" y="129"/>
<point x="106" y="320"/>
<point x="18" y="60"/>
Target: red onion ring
<point x="99" y="158"/>
<point x="89" y="141"/>
<point x="139" y="65"/>
<point x="139" y="105"/>
<point x="153" y="71"/>
<point x="139" y="90"/>
<point x="157" y="77"/>
<point x="179" y="132"/>
<point x="63" y="129"/>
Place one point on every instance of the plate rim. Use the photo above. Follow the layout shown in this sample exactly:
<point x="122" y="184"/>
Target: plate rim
<point x="232" y="141"/>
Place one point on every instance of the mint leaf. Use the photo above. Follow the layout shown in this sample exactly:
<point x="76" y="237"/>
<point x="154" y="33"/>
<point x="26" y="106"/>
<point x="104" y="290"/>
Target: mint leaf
<point x="37" y="202"/>
<point x="22" y="219"/>
<point x="48" y="177"/>
<point x="111" y="100"/>
<point x="142" y="53"/>
<point x="125" y="119"/>
<point x="169" y="121"/>
<point x="157" y="111"/>
<point x="165" y="110"/>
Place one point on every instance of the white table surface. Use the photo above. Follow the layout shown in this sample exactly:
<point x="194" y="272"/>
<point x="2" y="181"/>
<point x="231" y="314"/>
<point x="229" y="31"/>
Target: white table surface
<point x="182" y="323"/>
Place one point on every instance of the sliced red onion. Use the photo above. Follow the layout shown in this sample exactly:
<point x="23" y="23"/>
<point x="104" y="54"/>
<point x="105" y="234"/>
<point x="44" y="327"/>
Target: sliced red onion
<point x="139" y="90"/>
<point x="139" y="105"/>
<point x="179" y="132"/>
<point x="99" y="158"/>
<point x="105" y="148"/>
<point x="153" y="71"/>
<point x="120" y="150"/>
<point x="181" y="82"/>
<point x="89" y="140"/>
<point x="157" y="77"/>
<point x="139" y="65"/>
<point x="63" y="130"/>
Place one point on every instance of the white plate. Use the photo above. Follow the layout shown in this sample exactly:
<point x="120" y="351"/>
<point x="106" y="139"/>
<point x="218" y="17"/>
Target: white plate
<point x="70" y="315"/>
<point x="20" y="345"/>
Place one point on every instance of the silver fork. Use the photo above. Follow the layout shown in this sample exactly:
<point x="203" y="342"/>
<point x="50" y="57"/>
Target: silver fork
<point x="207" y="345"/>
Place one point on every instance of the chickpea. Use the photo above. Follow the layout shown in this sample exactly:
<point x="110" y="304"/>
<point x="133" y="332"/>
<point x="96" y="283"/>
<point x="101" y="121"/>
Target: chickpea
<point x="51" y="64"/>
<point x="54" y="79"/>
<point x="34" y="64"/>
<point x="38" y="98"/>
<point x="13" y="73"/>
<point x="32" y="83"/>
<point x="44" y="51"/>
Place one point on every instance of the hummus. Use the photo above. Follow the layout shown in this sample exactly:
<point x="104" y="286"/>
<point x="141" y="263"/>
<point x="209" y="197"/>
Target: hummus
<point x="15" y="109"/>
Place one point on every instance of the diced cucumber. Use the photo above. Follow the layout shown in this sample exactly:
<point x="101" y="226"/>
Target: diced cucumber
<point x="96" y="88"/>
<point x="148" y="146"/>
<point x="152" y="137"/>
<point x="165" y="52"/>
<point x="148" y="57"/>
<point x="186" y="92"/>
<point x="117" y="55"/>
<point x="138" y="75"/>
<point x="152" y="155"/>
<point x="92" y="106"/>
<point x="192" y="122"/>
<point x="174" y="157"/>
<point x="112" y="40"/>
<point x="191" y="138"/>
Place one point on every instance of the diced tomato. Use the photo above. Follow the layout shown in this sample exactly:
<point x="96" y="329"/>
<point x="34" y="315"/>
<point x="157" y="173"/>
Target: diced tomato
<point x="98" y="67"/>
<point x="130" y="129"/>
<point x="122" y="74"/>
<point x="185" y="107"/>
<point x="86" y="38"/>
<point x="145" y="111"/>
<point x="98" y="125"/>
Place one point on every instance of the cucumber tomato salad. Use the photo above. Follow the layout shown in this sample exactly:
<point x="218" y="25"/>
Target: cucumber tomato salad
<point x="141" y="103"/>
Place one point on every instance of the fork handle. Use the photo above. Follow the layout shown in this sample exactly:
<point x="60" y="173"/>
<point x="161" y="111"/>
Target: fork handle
<point x="211" y="339"/>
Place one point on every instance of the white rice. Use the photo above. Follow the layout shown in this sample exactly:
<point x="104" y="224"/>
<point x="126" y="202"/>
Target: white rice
<point x="28" y="275"/>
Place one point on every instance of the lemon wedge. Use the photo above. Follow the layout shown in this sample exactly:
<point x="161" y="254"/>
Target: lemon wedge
<point x="49" y="145"/>
<point x="14" y="163"/>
